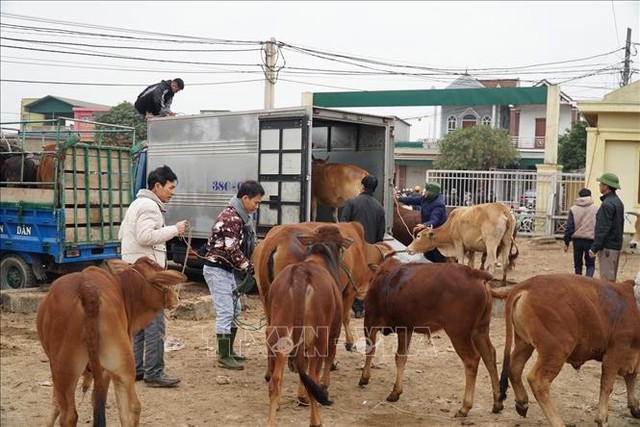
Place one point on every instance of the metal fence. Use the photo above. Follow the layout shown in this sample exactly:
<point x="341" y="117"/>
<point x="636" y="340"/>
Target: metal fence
<point x="519" y="190"/>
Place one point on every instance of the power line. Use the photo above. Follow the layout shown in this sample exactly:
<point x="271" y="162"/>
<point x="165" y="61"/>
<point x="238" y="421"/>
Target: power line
<point x="102" y="55"/>
<point x="119" y="84"/>
<point x="128" y="47"/>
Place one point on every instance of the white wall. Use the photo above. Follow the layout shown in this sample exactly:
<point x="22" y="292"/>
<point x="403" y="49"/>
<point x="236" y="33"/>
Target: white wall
<point x="528" y="116"/>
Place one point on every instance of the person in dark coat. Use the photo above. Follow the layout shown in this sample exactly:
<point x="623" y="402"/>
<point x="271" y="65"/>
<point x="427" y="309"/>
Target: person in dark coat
<point x="368" y="211"/>
<point x="607" y="241"/>
<point x="156" y="99"/>
<point x="433" y="212"/>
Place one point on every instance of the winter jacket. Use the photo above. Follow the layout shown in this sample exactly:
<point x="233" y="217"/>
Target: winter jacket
<point x="581" y="222"/>
<point x="143" y="232"/>
<point x="367" y="211"/>
<point x="432" y="211"/>
<point x="155" y="99"/>
<point x="609" y="224"/>
<point x="223" y="249"/>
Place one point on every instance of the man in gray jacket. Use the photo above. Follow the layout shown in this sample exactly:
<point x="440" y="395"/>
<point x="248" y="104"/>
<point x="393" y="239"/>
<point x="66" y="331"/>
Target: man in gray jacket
<point x="143" y="233"/>
<point x="609" y="230"/>
<point x="581" y="224"/>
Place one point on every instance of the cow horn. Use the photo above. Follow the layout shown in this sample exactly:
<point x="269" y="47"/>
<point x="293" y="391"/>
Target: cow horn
<point x="636" y="214"/>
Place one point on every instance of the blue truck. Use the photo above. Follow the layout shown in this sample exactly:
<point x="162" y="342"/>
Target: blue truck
<point x="71" y="220"/>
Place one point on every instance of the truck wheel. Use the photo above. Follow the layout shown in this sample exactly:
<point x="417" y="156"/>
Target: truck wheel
<point x="15" y="273"/>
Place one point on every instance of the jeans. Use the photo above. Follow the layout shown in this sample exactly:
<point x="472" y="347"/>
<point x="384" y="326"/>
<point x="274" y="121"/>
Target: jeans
<point x="434" y="255"/>
<point x="222" y="286"/>
<point x="150" y="341"/>
<point x="581" y="252"/>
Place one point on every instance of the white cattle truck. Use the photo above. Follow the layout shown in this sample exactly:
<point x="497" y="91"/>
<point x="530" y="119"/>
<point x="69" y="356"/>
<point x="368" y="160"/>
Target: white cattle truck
<point x="213" y="153"/>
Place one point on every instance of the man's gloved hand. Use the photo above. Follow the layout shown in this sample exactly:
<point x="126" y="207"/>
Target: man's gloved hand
<point x="251" y="270"/>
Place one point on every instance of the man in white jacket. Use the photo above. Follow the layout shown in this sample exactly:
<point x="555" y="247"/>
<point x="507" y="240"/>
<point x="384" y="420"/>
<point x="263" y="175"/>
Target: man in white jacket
<point x="143" y="233"/>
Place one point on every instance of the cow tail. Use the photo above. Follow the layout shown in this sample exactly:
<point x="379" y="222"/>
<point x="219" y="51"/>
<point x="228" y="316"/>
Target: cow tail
<point x="90" y="300"/>
<point x="300" y="289"/>
<point x="512" y="256"/>
<point x="504" y="376"/>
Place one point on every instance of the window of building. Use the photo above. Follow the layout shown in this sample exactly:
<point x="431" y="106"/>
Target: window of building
<point x="452" y="123"/>
<point x="469" y="120"/>
<point x="486" y="121"/>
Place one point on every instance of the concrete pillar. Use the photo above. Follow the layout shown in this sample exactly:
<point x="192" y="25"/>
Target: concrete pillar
<point x="547" y="180"/>
<point x="307" y="98"/>
<point x="553" y="125"/>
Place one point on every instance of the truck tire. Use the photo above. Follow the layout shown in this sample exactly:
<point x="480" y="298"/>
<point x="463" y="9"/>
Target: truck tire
<point x="15" y="273"/>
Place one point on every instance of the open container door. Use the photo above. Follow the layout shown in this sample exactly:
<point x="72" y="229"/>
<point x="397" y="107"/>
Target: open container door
<point x="283" y="171"/>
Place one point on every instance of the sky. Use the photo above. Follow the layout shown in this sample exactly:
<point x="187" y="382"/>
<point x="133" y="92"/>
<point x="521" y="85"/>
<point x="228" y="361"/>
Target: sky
<point x="216" y="47"/>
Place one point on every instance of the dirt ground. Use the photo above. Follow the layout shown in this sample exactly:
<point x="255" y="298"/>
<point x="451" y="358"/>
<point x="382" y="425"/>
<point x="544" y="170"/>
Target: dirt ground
<point x="211" y="396"/>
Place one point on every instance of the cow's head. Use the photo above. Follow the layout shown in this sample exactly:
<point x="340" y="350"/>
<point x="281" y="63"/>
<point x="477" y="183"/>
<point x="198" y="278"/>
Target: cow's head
<point x="162" y="280"/>
<point x="327" y="240"/>
<point x="423" y="242"/>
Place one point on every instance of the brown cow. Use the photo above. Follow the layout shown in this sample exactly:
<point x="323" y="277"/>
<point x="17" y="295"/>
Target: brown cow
<point x="424" y="298"/>
<point x="305" y="311"/>
<point x="478" y="228"/>
<point x="333" y="184"/>
<point x="571" y="319"/>
<point x="635" y="240"/>
<point x="280" y="248"/>
<point x="46" y="173"/>
<point x="404" y="220"/>
<point x="87" y="321"/>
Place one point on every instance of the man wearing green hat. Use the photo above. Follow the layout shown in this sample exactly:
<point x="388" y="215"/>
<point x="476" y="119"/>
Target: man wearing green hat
<point x="433" y="212"/>
<point x="607" y="241"/>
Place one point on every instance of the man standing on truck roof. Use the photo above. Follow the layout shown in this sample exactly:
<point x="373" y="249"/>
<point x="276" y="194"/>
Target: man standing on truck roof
<point x="143" y="233"/>
<point x="156" y="99"/>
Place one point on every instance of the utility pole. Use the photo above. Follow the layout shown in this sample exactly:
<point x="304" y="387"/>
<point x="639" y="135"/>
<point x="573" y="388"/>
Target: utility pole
<point x="626" y="72"/>
<point x="269" y="73"/>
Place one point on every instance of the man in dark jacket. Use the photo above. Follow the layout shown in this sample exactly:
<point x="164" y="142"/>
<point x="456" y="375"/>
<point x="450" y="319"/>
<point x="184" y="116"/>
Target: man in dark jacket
<point x="365" y="209"/>
<point x="156" y="99"/>
<point x="433" y="212"/>
<point x="609" y="230"/>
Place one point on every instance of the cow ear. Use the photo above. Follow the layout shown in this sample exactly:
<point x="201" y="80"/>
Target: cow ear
<point x="115" y="266"/>
<point x="305" y="239"/>
<point x="345" y="243"/>
<point x="167" y="278"/>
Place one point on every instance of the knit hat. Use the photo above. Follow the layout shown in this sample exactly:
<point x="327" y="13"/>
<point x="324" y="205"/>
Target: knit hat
<point x="609" y="179"/>
<point x="585" y="192"/>
<point x="433" y="188"/>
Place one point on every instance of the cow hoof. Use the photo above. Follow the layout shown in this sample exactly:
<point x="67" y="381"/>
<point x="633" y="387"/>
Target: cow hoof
<point x="393" y="397"/>
<point x="349" y="346"/>
<point x="267" y="378"/>
<point x="303" y="401"/>
<point x="460" y="414"/>
<point x="334" y="366"/>
<point x="522" y="408"/>
<point x="363" y="382"/>
<point x="497" y="407"/>
<point x="635" y="412"/>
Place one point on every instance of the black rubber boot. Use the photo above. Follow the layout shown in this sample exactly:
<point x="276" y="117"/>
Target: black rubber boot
<point x="234" y="331"/>
<point x="225" y="360"/>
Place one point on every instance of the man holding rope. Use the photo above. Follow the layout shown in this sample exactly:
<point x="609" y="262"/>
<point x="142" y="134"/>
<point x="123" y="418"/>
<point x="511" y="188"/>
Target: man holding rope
<point x="229" y="248"/>
<point x="143" y="233"/>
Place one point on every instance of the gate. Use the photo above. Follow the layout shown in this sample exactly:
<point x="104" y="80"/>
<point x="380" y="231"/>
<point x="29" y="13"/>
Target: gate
<point x="540" y="202"/>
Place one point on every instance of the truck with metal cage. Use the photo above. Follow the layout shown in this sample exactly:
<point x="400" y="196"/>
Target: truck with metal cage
<point x="212" y="154"/>
<point x="70" y="220"/>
